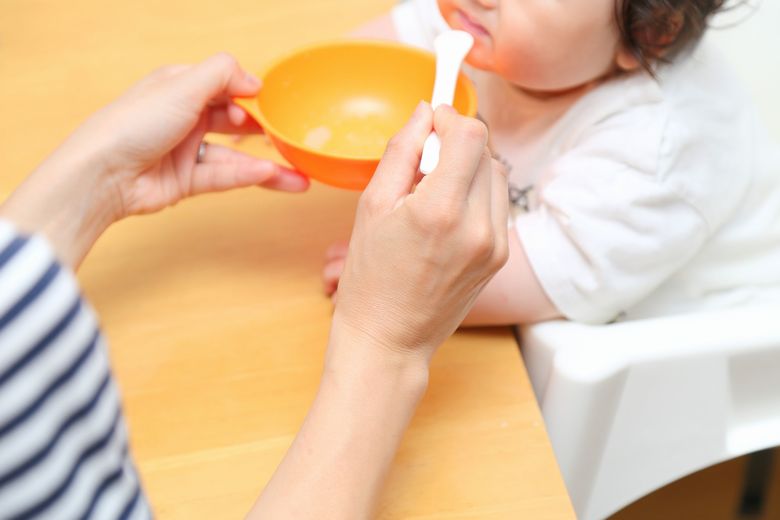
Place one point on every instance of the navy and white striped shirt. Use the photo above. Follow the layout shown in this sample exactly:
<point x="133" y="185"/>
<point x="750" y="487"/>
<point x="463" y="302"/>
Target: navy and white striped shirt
<point x="63" y="441"/>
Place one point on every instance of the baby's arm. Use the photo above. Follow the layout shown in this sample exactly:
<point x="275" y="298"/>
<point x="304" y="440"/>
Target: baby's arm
<point x="514" y="295"/>
<point x="381" y="28"/>
<point x="414" y="22"/>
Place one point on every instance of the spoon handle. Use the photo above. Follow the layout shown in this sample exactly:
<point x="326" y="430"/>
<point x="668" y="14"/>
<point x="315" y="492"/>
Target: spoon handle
<point x="451" y="49"/>
<point x="430" y="155"/>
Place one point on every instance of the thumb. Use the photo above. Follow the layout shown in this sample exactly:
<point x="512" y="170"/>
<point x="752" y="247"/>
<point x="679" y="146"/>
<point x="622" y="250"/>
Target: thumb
<point x="218" y="75"/>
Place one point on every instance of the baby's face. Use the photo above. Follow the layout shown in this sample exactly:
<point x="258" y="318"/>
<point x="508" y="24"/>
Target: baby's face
<point x="541" y="45"/>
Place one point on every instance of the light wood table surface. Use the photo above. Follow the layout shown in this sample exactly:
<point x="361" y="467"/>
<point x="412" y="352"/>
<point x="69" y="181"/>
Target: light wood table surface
<point x="214" y="310"/>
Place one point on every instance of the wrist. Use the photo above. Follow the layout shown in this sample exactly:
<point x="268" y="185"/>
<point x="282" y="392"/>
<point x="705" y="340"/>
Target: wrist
<point x="357" y="356"/>
<point x="68" y="199"/>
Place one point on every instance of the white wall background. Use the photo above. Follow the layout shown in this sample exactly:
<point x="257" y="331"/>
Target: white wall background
<point x="752" y="47"/>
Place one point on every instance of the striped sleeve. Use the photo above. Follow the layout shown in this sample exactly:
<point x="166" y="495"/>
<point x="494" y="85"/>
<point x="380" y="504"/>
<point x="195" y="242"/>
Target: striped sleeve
<point x="63" y="441"/>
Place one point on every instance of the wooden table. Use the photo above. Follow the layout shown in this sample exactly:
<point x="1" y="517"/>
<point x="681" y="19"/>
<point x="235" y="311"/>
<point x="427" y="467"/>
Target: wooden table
<point x="214" y="310"/>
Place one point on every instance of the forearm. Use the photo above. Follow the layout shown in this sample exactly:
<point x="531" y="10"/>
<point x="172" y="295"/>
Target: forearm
<point x="513" y="296"/>
<point x="337" y="464"/>
<point x="63" y="199"/>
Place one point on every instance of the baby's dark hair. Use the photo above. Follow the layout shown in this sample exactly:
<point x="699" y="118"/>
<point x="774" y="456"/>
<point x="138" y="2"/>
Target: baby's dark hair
<point x="658" y="30"/>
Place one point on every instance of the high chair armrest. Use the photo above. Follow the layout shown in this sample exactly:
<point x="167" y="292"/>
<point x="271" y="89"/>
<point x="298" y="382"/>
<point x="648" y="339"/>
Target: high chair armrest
<point x="632" y="406"/>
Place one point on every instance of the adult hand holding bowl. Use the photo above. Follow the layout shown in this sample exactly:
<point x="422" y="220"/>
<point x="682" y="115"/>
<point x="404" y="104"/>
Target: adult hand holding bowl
<point x="330" y="109"/>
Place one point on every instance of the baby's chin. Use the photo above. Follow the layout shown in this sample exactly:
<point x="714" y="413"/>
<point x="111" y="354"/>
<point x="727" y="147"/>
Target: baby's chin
<point x="534" y="86"/>
<point x="478" y="60"/>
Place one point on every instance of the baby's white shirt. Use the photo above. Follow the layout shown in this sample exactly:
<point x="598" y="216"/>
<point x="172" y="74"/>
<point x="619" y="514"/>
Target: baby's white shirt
<point x="647" y="196"/>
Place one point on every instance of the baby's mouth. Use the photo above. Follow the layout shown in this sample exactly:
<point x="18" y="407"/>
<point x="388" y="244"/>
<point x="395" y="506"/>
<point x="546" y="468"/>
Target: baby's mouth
<point x="469" y="25"/>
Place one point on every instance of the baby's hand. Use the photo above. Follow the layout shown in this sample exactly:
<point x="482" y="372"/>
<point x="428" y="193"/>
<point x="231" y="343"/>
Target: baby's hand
<point x="335" y="258"/>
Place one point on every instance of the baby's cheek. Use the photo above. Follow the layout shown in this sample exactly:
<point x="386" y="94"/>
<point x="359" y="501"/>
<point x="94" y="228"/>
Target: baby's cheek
<point x="518" y="66"/>
<point x="534" y="67"/>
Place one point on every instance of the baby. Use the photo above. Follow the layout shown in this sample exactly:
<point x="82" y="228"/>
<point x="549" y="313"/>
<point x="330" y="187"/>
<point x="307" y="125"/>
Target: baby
<point x="642" y="181"/>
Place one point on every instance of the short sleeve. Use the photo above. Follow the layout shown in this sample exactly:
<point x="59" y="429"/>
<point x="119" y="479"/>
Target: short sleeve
<point x="606" y="228"/>
<point x="418" y="22"/>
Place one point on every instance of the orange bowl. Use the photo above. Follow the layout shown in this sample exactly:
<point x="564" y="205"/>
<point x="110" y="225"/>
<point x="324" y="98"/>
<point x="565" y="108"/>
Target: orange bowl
<point x="331" y="108"/>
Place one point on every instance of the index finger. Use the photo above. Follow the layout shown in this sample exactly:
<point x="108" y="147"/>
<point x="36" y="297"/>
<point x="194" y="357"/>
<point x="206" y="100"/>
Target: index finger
<point x="394" y="177"/>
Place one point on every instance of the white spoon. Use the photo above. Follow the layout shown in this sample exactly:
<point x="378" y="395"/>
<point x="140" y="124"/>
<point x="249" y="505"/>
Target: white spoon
<point x="451" y="49"/>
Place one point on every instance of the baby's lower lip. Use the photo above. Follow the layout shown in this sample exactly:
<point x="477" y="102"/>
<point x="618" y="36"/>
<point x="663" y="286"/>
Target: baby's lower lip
<point x="471" y="26"/>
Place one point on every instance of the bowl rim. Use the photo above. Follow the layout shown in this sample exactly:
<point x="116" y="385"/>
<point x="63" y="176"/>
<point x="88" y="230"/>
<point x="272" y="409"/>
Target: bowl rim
<point x="344" y="42"/>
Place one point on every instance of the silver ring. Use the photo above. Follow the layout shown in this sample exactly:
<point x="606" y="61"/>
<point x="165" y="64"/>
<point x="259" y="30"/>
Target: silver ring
<point x="201" y="152"/>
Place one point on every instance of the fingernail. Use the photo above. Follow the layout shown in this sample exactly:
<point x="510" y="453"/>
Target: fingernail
<point x="290" y="180"/>
<point x="253" y="80"/>
<point x="420" y="110"/>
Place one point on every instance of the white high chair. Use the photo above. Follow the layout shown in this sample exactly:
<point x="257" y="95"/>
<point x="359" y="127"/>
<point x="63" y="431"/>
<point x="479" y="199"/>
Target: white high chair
<point x="633" y="406"/>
